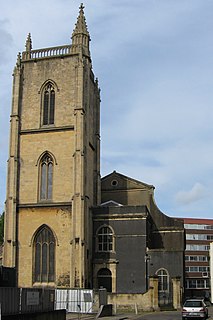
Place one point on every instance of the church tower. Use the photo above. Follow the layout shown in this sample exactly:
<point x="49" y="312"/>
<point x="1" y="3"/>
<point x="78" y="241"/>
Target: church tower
<point x="54" y="164"/>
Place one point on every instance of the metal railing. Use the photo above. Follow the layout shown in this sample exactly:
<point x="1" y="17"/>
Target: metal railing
<point x="31" y="300"/>
<point x="26" y="300"/>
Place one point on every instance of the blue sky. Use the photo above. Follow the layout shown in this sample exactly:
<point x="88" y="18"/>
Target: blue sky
<point x="154" y="62"/>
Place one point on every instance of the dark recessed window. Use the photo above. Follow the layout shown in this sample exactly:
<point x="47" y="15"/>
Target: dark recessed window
<point x="114" y="183"/>
<point x="105" y="279"/>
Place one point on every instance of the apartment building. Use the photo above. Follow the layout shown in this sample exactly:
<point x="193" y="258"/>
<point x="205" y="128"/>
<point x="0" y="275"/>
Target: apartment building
<point x="199" y="235"/>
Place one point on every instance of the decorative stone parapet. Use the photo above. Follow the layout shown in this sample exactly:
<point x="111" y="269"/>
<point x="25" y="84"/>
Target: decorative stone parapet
<point x="47" y="52"/>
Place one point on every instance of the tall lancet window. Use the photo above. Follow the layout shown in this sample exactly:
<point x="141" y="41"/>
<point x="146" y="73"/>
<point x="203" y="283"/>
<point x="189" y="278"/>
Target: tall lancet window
<point x="46" y="177"/>
<point x="44" y="256"/>
<point x="48" y="104"/>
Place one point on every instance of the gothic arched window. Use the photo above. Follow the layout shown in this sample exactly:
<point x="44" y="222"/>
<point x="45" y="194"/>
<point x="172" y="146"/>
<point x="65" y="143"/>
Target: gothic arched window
<point x="46" y="177"/>
<point x="48" y="104"/>
<point x="44" y="256"/>
<point x="105" y="239"/>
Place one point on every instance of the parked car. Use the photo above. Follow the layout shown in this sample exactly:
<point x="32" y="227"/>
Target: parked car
<point x="194" y="308"/>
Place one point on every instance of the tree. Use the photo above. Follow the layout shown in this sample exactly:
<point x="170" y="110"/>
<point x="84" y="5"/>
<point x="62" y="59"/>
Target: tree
<point x="1" y="228"/>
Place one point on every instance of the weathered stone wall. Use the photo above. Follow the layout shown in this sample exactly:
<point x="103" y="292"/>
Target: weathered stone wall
<point x="59" y="221"/>
<point x="32" y="146"/>
<point x="63" y="73"/>
<point x="73" y="144"/>
<point x="132" y="302"/>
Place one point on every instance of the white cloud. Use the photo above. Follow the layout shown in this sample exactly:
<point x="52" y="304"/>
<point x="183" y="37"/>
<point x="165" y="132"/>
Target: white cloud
<point x="6" y="42"/>
<point x="196" y="193"/>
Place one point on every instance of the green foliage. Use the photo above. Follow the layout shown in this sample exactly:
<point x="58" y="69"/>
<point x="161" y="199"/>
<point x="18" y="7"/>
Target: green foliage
<point x="1" y="228"/>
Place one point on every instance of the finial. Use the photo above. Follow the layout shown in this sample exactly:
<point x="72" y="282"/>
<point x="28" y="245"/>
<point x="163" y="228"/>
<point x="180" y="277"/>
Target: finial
<point x="18" y="61"/>
<point x="28" y="44"/>
<point x="80" y="36"/>
<point x="81" y="8"/>
<point x="80" y="26"/>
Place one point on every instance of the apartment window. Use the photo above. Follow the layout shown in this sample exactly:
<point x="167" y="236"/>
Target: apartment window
<point x="194" y="247"/>
<point x="196" y="258"/>
<point x="105" y="239"/>
<point x="199" y="237"/>
<point x="197" y="268"/>
<point x="209" y="227"/>
<point x="197" y="284"/>
<point x="46" y="177"/>
<point x="198" y="226"/>
<point x="48" y="104"/>
<point x="44" y="255"/>
<point x="204" y="269"/>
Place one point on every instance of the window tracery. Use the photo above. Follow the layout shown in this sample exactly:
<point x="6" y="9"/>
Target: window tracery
<point x="44" y="256"/>
<point x="48" y="104"/>
<point x="46" y="177"/>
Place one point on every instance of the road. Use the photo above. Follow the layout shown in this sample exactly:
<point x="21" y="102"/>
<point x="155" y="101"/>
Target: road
<point x="168" y="315"/>
<point x="161" y="315"/>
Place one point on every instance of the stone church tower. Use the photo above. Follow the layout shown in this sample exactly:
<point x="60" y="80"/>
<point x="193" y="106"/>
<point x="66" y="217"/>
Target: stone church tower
<point x="54" y="164"/>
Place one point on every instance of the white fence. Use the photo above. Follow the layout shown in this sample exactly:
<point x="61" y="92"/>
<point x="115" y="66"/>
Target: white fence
<point x="74" y="300"/>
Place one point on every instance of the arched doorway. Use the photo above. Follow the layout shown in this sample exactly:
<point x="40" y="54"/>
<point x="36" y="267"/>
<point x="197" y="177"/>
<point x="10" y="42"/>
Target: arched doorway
<point x="105" y="279"/>
<point x="164" y="292"/>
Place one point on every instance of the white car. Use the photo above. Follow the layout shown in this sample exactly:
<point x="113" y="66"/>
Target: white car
<point x="194" y="308"/>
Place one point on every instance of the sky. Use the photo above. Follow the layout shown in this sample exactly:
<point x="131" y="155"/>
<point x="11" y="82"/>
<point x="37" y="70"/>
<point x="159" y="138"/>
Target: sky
<point x="154" y="63"/>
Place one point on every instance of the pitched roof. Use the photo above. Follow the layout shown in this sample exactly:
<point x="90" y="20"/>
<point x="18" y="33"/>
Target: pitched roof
<point x="115" y="173"/>
<point x="111" y="203"/>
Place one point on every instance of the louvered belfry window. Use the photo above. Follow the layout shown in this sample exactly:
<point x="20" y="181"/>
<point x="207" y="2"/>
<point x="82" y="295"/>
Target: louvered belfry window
<point x="44" y="256"/>
<point x="48" y="104"/>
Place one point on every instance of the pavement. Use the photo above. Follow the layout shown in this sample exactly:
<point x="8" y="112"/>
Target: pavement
<point x="121" y="316"/>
